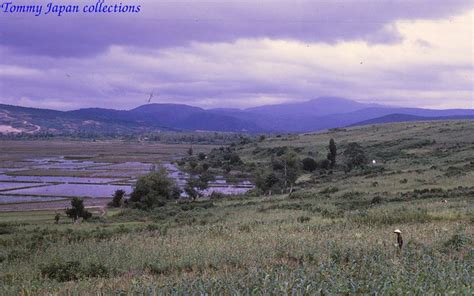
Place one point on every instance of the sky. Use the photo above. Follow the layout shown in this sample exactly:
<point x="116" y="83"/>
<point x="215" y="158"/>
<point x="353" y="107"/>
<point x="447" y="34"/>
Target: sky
<point x="209" y="53"/>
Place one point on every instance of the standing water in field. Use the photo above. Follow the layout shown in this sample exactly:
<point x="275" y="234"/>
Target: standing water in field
<point x="218" y="185"/>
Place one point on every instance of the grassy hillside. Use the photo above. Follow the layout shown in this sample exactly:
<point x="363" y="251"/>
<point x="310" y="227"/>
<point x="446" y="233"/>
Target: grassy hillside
<point x="333" y="235"/>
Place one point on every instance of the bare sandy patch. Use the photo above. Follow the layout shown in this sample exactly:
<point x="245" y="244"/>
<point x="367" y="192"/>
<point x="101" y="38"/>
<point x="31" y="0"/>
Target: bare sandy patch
<point x="5" y="129"/>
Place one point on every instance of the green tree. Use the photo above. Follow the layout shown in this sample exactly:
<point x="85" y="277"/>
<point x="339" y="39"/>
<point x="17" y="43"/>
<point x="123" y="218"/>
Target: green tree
<point x="190" y="151"/>
<point x="269" y="182"/>
<point x="191" y="188"/>
<point x="77" y="210"/>
<point x="235" y="159"/>
<point x="288" y="166"/>
<point x="291" y="170"/>
<point x="193" y="164"/>
<point x="153" y="190"/>
<point x="332" y="153"/>
<point x="195" y="185"/>
<point x="201" y="156"/>
<point x="117" y="199"/>
<point x="265" y="181"/>
<point x="355" y="156"/>
<point x="204" y="180"/>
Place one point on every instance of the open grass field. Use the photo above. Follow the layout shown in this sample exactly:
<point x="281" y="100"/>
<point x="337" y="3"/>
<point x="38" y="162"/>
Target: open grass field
<point x="332" y="236"/>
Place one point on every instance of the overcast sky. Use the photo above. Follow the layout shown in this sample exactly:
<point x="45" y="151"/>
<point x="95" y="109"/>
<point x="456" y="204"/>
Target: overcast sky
<point x="416" y="53"/>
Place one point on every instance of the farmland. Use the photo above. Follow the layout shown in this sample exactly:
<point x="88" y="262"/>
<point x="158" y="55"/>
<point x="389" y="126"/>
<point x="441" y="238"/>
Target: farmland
<point x="332" y="235"/>
<point x="46" y="174"/>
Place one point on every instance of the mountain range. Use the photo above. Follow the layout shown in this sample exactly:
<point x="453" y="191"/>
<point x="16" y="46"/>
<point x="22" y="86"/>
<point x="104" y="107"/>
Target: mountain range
<point x="313" y="115"/>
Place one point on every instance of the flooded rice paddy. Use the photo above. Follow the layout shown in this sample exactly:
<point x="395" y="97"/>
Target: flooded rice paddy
<point x="15" y="185"/>
<point x="53" y="179"/>
<point x="73" y="190"/>
<point x="219" y="184"/>
<point x="50" y="183"/>
<point x="40" y="183"/>
<point x="10" y="199"/>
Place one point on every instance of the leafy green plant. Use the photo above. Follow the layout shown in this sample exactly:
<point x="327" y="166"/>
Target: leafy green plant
<point x="77" y="210"/>
<point x="457" y="242"/>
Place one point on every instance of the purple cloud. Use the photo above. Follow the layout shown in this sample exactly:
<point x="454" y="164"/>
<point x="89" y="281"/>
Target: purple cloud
<point x="242" y="54"/>
<point x="177" y="23"/>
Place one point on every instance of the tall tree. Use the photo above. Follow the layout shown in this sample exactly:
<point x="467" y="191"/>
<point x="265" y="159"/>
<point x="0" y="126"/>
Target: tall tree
<point x="289" y="167"/>
<point x="332" y="153"/>
<point x="270" y="181"/>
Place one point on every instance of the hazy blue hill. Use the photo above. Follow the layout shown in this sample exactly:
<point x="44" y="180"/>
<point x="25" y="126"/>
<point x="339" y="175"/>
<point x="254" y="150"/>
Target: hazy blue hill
<point x="31" y="111"/>
<point x="318" y="114"/>
<point x="168" y="110"/>
<point x="104" y="114"/>
<point x="176" y="116"/>
<point x="193" y="118"/>
<point x="317" y="107"/>
<point x="407" y="118"/>
<point x="217" y="122"/>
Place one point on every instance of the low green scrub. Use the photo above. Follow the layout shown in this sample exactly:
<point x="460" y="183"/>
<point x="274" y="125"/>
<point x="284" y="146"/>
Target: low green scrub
<point x="457" y="242"/>
<point x="64" y="271"/>
<point x="389" y="217"/>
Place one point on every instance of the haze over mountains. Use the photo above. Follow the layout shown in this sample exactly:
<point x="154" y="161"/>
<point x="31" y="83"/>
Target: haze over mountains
<point x="313" y="115"/>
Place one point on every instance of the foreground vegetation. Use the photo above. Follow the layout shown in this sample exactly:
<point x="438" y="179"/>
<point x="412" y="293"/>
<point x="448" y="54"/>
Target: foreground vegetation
<point x="332" y="235"/>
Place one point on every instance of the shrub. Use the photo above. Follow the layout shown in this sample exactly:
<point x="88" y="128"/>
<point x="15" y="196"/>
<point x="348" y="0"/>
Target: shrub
<point x="329" y="190"/>
<point x="302" y="195"/>
<point x="94" y="270"/>
<point x="161" y="229"/>
<point x="62" y="271"/>
<point x="193" y="164"/>
<point x="396" y="216"/>
<point x="324" y="164"/>
<point x="18" y="254"/>
<point x="457" y="242"/>
<point x="6" y="229"/>
<point x="158" y="269"/>
<point x="376" y="200"/>
<point x="245" y="228"/>
<point x="303" y="219"/>
<point x="309" y="164"/>
<point x="216" y="195"/>
<point x="72" y="270"/>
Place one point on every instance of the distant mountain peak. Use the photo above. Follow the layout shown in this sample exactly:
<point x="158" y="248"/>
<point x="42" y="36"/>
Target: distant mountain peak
<point x="316" y="114"/>
<point x="164" y="107"/>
